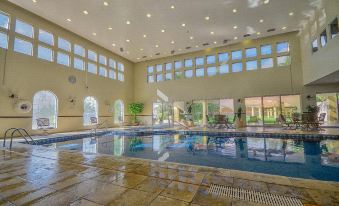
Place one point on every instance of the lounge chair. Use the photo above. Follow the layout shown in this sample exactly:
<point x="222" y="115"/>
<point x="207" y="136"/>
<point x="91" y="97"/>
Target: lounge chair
<point x="284" y="123"/>
<point x="44" y="125"/>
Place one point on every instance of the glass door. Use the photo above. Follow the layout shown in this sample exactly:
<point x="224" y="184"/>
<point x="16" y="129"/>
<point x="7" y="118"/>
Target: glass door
<point x="328" y="104"/>
<point x="290" y="105"/>
<point x="254" y="111"/>
<point x="272" y="110"/>
<point x="162" y="114"/>
<point x="197" y="112"/>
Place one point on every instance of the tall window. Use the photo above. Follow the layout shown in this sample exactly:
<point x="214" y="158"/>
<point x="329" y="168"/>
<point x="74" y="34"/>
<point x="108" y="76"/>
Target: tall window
<point x="119" y="112"/>
<point x="90" y="110"/>
<point x="45" y="105"/>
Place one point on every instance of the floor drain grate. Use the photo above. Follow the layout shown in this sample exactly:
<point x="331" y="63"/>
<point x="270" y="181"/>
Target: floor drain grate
<point x="253" y="196"/>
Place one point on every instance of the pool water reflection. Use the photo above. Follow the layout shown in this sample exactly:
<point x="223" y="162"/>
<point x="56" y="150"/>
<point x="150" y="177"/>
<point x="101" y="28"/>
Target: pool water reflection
<point x="287" y="157"/>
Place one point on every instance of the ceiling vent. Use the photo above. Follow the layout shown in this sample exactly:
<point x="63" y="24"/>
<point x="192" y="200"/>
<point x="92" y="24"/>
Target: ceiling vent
<point x="271" y="30"/>
<point x="172" y="52"/>
<point x="157" y="54"/>
<point x="122" y="49"/>
<point x="225" y="41"/>
<point x="144" y="57"/>
<point x="188" y="47"/>
<point x="247" y="35"/>
<point x="205" y="44"/>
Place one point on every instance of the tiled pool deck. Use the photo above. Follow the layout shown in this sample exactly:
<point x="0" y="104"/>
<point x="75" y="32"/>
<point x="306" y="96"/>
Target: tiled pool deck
<point x="35" y="175"/>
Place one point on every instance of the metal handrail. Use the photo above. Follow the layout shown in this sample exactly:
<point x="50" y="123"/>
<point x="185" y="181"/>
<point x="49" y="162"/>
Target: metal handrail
<point x="13" y="128"/>
<point x="19" y="130"/>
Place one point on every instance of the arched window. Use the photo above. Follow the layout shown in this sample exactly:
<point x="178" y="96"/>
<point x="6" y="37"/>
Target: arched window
<point x="119" y="112"/>
<point x="45" y="110"/>
<point x="90" y="111"/>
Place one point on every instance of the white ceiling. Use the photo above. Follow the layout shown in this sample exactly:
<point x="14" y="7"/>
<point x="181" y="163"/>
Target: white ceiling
<point x="192" y="13"/>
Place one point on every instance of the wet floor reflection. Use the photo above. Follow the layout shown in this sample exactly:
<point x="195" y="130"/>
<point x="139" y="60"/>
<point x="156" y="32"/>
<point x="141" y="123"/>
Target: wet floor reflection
<point x="294" y="158"/>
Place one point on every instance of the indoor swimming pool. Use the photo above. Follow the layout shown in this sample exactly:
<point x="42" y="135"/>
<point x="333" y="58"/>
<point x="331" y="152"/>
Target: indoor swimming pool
<point x="286" y="157"/>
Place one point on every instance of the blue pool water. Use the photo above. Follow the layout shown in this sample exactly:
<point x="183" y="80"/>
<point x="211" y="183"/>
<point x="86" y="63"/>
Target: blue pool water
<point x="286" y="157"/>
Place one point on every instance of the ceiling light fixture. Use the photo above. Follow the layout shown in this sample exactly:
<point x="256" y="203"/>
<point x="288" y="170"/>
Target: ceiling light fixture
<point x="69" y="20"/>
<point x="191" y="37"/>
<point x="258" y="33"/>
<point x="113" y="44"/>
<point x="105" y="3"/>
<point x="128" y="22"/>
<point x="34" y="1"/>
<point x="215" y="42"/>
<point x="144" y="35"/>
<point x="291" y="14"/>
<point x="212" y="32"/>
<point x="183" y="24"/>
<point x="149" y="15"/>
<point x="85" y="12"/>
<point x="207" y="18"/>
<point x="156" y="46"/>
<point x="235" y="38"/>
<point x="284" y="28"/>
<point x="235" y="11"/>
<point x="110" y="28"/>
<point x="94" y="34"/>
<point x="235" y="27"/>
<point x="266" y="1"/>
<point x="261" y="20"/>
<point x="179" y="49"/>
<point x="163" y="30"/>
<point x="141" y="49"/>
<point x="172" y="42"/>
<point x="172" y="7"/>
<point x="127" y="40"/>
<point x="196" y="46"/>
<point x="138" y="58"/>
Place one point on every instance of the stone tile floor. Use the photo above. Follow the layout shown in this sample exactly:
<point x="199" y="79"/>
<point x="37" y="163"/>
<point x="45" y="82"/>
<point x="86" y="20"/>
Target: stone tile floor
<point x="35" y="175"/>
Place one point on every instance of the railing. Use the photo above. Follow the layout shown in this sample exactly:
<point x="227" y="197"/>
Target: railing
<point x="24" y="134"/>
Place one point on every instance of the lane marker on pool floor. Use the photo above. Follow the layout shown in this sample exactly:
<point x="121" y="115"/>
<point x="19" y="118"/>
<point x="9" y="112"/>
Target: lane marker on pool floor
<point x="253" y="196"/>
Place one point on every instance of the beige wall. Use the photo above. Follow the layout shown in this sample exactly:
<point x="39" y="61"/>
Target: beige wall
<point x="262" y="82"/>
<point x="25" y="75"/>
<point x="325" y="61"/>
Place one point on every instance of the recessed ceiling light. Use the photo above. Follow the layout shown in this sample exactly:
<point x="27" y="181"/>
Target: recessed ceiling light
<point x="284" y="28"/>
<point x="149" y="15"/>
<point x="69" y="20"/>
<point x="172" y="7"/>
<point x="110" y="28"/>
<point x="127" y="40"/>
<point x="196" y="46"/>
<point x="207" y="18"/>
<point x="141" y="49"/>
<point x="183" y="24"/>
<point x="113" y="44"/>
<point x="138" y="58"/>
<point x="144" y="35"/>
<point x="235" y="27"/>
<point x="172" y="42"/>
<point x="127" y="52"/>
<point x="291" y="14"/>
<point x="156" y="46"/>
<point x="258" y="33"/>
<point x="163" y="30"/>
<point x="235" y="38"/>
<point x="94" y="34"/>
<point x="266" y="1"/>
<point x="261" y="20"/>
<point x="235" y="11"/>
<point x="105" y="3"/>
<point x="85" y="12"/>
<point x="128" y="22"/>
<point x="179" y="49"/>
<point x="212" y="32"/>
<point x="34" y="1"/>
<point x="215" y="42"/>
<point x="191" y="37"/>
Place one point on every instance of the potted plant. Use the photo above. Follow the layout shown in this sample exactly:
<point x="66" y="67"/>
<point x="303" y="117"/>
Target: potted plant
<point x="239" y="122"/>
<point x="135" y="109"/>
<point x="313" y="111"/>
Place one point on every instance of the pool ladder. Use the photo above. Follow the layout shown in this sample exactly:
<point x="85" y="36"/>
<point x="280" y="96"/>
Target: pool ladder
<point x="23" y="133"/>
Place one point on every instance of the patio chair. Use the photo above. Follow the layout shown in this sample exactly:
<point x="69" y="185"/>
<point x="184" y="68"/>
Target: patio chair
<point x="210" y="121"/>
<point x="44" y="125"/>
<point x="284" y="123"/>
<point x="229" y="125"/>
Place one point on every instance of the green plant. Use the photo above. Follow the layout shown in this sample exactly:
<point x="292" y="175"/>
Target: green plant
<point x="312" y="109"/>
<point x="239" y="112"/>
<point x="135" y="109"/>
